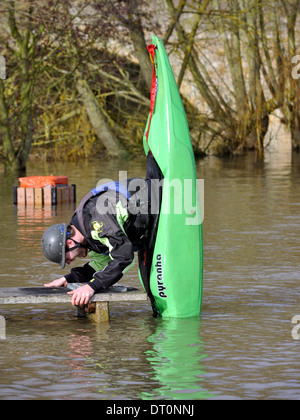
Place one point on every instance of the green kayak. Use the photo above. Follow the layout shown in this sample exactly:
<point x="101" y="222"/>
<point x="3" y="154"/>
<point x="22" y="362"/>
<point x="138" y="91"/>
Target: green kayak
<point x="175" y="263"/>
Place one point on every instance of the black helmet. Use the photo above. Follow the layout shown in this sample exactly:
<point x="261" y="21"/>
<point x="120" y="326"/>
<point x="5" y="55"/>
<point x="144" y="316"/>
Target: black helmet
<point x="54" y="244"/>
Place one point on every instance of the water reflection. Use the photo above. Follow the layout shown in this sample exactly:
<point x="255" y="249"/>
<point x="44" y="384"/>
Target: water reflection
<point x="176" y="358"/>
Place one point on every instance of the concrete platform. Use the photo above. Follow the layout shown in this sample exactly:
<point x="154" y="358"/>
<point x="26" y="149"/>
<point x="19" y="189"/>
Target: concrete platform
<point x="99" y="303"/>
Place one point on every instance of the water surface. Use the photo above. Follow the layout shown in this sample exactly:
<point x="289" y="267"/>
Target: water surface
<point x="240" y="348"/>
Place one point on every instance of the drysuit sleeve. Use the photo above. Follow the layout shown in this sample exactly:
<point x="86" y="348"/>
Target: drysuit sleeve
<point x="105" y="270"/>
<point x="80" y="274"/>
<point x="121" y="257"/>
<point x="86" y="273"/>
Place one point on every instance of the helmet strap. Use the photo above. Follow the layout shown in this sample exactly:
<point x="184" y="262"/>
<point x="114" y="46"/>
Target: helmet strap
<point x="78" y="245"/>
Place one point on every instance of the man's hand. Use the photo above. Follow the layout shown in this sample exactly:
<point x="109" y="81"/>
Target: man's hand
<point x="82" y="295"/>
<point x="62" y="282"/>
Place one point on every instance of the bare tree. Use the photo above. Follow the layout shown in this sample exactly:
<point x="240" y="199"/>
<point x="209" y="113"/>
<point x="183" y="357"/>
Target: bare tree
<point x="291" y="108"/>
<point x="256" y="77"/>
<point x="23" y="46"/>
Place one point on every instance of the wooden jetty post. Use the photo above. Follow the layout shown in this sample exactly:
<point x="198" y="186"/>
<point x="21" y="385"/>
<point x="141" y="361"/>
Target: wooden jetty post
<point x="48" y="196"/>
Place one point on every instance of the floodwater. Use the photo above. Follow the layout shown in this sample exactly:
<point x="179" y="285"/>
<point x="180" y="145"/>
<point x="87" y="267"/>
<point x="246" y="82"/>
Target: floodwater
<point x="240" y="348"/>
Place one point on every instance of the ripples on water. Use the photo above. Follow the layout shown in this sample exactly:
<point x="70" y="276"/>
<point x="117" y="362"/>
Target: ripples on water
<point x="240" y="348"/>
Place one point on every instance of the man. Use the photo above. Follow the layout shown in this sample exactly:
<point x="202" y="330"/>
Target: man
<point x="109" y="225"/>
<point x="111" y="222"/>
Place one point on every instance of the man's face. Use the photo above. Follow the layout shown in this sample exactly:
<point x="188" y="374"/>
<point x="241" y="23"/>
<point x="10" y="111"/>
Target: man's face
<point x="76" y="253"/>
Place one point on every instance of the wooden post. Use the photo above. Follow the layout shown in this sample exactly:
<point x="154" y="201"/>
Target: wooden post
<point x="101" y="313"/>
<point x="29" y="196"/>
<point x="65" y="194"/>
<point x="21" y="196"/>
<point x="54" y="195"/>
<point x="47" y="196"/>
<point x="38" y="196"/>
<point x="58" y="196"/>
<point x="71" y="194"/>
<point x="15" y="192"/>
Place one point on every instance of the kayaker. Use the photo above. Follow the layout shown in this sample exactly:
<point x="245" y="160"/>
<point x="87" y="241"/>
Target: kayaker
<point x="109" y="225"/>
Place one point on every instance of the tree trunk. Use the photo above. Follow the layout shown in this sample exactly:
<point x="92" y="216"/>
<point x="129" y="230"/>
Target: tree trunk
<point x="15" y="159"/>
<point x="137" y="37"/>
<point x="142" y="55"/>
<point x="98" y="121"/>
<point x="5" y="132"/>
<point x="292" y="111"/>
<point x="233" y="54"/>
<point x="26" y="123"/>
<point x="295" y="122"/>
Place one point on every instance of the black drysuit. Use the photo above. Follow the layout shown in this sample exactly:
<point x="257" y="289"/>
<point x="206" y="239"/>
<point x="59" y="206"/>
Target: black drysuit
<point x="112" y="232"/>
<point x="127" y="224"/>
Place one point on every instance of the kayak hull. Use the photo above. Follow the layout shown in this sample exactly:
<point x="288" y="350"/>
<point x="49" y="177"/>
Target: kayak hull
<point x="176" y="272"/>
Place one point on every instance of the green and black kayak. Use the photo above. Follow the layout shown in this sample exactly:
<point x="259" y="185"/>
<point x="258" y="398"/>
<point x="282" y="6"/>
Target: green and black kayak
<point x="171" y="266"/>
